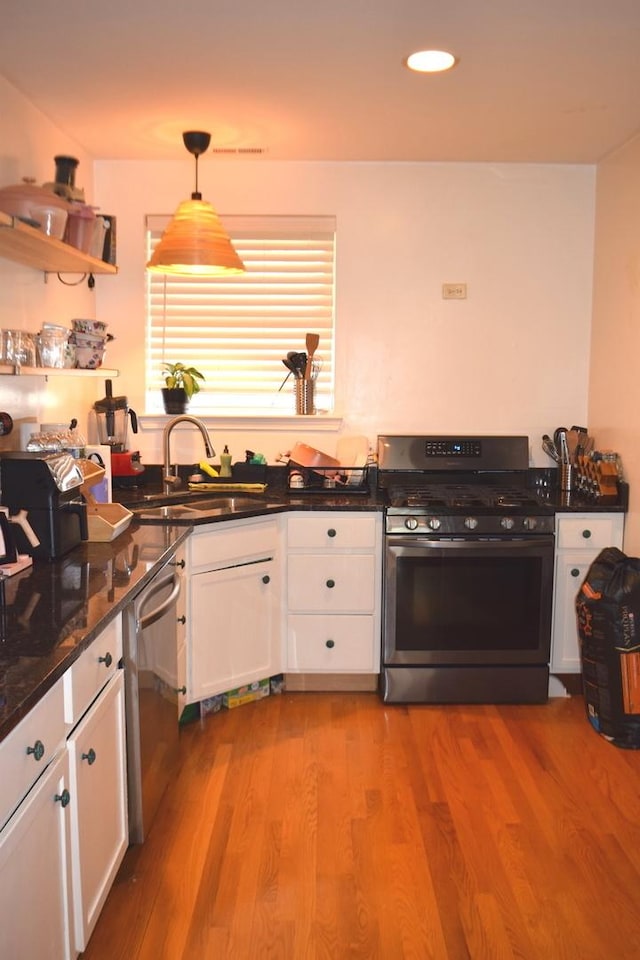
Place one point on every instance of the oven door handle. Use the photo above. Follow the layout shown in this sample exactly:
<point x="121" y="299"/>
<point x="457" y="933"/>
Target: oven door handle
<point x="145" y="621"/>
<point x="455" y="543"/>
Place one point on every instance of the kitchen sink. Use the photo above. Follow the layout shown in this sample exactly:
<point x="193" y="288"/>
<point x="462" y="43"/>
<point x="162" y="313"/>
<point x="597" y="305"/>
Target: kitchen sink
<point x="210" y="506"/>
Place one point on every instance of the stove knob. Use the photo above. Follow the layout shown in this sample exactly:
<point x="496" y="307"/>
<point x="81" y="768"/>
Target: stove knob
<point x="411" y="523"/>
<point x="507" y="523"/>
<point x="433" y="523"/>
<point x="470" y="523"/>
<point x="530" y="523"/>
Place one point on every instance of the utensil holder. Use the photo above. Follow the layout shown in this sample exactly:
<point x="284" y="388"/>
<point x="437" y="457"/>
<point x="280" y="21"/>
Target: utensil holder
<point x="305" y="397"/>
<point x="567" y="475"/>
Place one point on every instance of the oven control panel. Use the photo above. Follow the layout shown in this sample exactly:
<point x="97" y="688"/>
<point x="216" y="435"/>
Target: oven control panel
<point x="445" y="447"/>
<point x="477" y="526"/>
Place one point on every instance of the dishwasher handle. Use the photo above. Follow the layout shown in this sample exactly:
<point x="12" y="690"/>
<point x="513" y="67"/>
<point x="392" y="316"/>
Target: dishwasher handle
<point x="145" y="621"/>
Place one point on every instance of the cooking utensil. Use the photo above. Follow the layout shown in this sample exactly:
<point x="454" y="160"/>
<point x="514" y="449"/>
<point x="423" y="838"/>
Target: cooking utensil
<point x="298" y="363"/>
<point x="312" y="341"/>
<point x="573" y="443"/>
<point x="556" y="437"/>
<point x="549" y="449"/>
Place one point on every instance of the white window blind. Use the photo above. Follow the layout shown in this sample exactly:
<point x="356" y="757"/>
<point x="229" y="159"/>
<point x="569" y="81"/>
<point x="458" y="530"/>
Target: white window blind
<point x="236" y="330"/>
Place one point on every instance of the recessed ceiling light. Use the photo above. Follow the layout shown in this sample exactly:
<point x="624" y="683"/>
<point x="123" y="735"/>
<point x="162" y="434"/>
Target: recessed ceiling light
<point x="430" y="61"/>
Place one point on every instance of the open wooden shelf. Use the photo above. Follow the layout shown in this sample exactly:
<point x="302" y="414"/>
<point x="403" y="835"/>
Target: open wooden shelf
<point x="27" y="245"/>
<point x="9" y="369"/>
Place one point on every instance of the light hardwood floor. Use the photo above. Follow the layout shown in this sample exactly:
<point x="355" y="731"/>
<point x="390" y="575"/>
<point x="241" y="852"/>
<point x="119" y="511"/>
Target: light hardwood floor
<point x="320" y="825"/>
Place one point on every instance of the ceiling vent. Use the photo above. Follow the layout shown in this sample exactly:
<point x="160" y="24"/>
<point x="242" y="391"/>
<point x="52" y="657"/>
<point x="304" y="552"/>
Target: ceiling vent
<point x="239" y="151"/>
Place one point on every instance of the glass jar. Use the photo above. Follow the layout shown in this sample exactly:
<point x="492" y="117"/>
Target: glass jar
<point x="52" y="348"/>
<point x="19" y="348"/>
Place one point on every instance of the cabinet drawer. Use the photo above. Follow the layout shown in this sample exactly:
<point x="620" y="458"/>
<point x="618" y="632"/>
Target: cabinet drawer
<point x="591" y="533"/>
<point x="331" y="644"/>
<point x="41" y="732"/>
<point x="88" y="675"/>
<point x="232" y="542"/>
<point x="336" y="584"/>
<point x="332" y="531"/>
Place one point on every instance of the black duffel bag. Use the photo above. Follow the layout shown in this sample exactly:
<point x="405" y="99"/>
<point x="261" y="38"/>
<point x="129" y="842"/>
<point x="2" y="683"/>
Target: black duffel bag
<point x="608" y="613"/>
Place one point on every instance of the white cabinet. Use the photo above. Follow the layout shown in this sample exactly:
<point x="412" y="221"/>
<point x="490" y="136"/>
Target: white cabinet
<point x="333" y="592"/>
<point x="234" y="606"/>
<point x="66" y="801"/>
<point x="95" y="716"/>
<point x="31" y="745"/>
<point x="99" y="808"/>
<point x="35" y="920"/>
<point x="579" y="539"/>
<point x="35" y="862"/>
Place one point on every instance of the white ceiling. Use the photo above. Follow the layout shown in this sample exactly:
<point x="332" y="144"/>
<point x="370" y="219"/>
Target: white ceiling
<point x="537" y="80"/>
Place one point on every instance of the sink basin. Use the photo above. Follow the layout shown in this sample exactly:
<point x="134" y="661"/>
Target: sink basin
<point x="211" y="506"/>
<point x="224" y="503"/>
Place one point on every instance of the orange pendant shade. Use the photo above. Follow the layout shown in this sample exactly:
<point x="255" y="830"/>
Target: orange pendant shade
<point x="195" y="243"/>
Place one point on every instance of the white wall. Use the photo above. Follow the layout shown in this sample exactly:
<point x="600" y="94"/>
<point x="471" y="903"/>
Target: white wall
<point x="29" y="142"/>
<point x="512" y="358"/>
<point x="614" y="394"/>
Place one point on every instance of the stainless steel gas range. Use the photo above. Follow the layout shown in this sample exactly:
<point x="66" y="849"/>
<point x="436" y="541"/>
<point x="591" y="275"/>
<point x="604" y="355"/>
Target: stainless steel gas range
<point x="468" y="571"/>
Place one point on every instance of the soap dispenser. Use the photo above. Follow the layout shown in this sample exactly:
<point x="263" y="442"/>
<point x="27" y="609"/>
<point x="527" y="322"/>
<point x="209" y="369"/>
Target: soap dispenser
<point x="225" y="462"/>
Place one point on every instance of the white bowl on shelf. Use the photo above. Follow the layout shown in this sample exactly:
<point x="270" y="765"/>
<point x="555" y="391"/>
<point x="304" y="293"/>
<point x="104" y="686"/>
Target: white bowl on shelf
<point x="89" y="358"/>
<point x="52" y="219"/>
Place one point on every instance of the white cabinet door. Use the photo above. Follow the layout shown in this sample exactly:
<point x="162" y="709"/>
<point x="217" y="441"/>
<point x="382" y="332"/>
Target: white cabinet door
<point x="99" y="831"/>
<point x="331" y="584"/>
<point x="234" y="628"/>
<point x="571" y="569"/>
<point x="579" y="539"/>
<point x="35" y="922"/>
<point x="331" y="644"/>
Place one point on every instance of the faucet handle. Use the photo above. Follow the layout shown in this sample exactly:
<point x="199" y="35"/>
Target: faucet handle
<point x="172" y="479"/>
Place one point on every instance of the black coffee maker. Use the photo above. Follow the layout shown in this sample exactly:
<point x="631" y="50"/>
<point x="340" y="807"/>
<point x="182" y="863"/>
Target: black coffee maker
<point x="42" y="492"/>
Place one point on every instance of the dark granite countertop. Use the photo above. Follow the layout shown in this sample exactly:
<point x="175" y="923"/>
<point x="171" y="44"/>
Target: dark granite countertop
<point x="53" y="611"/>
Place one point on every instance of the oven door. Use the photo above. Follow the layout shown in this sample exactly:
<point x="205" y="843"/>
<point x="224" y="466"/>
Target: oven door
<point x="471" y="601"/>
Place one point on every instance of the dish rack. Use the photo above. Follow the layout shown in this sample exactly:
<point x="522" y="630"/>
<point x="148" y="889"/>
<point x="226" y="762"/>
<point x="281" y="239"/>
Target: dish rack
<point x="339" y="481"/>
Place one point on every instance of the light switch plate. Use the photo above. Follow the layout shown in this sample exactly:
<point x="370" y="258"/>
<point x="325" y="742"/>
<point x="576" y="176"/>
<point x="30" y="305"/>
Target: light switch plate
<point x="454" y="291"/>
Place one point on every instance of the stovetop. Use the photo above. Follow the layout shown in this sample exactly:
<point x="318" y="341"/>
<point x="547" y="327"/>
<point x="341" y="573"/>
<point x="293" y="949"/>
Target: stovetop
<point x="436" y="497"/>
<point x="460" y="485"/>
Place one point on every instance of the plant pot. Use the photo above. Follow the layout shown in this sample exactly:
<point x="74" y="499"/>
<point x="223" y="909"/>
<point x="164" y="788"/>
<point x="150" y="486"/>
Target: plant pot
<point x="175" y="400"/>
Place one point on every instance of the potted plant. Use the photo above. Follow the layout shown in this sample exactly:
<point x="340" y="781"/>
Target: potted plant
<point x="181" y="382"/>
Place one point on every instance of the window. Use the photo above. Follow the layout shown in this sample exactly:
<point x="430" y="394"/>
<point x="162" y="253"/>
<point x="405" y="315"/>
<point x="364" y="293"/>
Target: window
<point x="236" y="330"/>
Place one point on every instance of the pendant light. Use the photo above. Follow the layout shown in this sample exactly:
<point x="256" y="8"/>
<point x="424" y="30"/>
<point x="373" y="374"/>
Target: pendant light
<point x="195" y="243"/>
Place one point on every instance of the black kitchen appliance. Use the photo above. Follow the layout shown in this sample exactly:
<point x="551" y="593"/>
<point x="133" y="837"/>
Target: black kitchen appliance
<point x="112" y="416"/>
<point x="468" y="565"/>
<point x="42" y="492"/>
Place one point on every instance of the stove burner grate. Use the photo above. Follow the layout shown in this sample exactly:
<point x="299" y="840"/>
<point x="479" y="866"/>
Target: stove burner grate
<point x="461" y="497"/>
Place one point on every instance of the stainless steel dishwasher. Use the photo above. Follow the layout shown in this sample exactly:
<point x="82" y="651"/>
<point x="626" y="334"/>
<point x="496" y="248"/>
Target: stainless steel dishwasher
<point x="151" y="672"/>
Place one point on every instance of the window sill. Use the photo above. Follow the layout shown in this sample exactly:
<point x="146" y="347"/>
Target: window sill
<point x="318" y="423"/>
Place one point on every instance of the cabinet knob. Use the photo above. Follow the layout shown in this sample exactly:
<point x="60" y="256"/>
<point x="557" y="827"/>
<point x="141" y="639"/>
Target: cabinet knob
<point x="331" y="584"/>
<point x="330" y="644"/>
<point x="331" y="532"/>
<point x="266" y="578"/>
<point x="182" y="690"/>
<point x="575" y="572"/>
<point x="181" y="619"/>
<point x="107" y="659"/>
<point x="586" y="534"/>
<point x="62" y="798"/>
<point x="37" y="750"/>
<point x="90" y="757"/>
<point x="177" y="563"/>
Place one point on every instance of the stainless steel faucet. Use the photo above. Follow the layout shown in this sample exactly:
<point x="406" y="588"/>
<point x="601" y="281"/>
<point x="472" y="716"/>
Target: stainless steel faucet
<point x="171" y="480"/>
